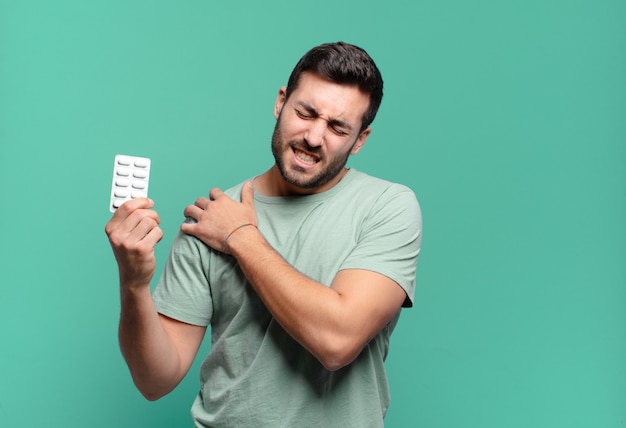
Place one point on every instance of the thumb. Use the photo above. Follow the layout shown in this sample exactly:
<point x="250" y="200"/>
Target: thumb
<point x="247" y="193"/>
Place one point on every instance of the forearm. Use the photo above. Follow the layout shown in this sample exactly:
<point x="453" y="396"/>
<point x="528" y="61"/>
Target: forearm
<point x="314" y="314"/>
<point x="332" y="321"/>
<point x="150" y="355"/>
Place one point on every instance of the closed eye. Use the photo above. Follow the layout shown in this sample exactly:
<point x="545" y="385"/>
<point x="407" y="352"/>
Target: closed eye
<point x="338" y="127"/>
<point x="304" y="115"/>
<point x="338" y="130"/>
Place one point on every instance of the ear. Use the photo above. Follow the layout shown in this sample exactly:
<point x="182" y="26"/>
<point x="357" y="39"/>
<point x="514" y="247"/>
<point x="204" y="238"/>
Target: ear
<point x="280" y="101"/>
<point x="360" y="141"/>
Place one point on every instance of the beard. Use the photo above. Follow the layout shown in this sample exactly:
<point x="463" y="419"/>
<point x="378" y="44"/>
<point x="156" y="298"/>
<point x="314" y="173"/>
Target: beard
<point x="296" y="175"/>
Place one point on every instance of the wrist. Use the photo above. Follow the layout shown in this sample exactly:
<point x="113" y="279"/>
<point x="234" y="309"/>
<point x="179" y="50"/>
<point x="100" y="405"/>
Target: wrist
<point x="237" y="236"/>
<point x="132" y="286"/>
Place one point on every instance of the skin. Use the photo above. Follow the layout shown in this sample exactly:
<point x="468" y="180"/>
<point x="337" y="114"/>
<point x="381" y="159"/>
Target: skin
<point x="317" y="130"/>
<point x="157" y="349"/>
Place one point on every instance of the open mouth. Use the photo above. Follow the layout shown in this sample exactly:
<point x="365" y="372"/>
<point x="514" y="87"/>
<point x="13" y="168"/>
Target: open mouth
<point x="305" y="158"/>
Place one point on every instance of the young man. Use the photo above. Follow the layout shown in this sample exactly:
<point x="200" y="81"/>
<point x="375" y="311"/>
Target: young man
<point x="301" y="272"/>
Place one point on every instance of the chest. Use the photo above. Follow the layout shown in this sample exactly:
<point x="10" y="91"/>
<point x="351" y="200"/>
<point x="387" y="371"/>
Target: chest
<point x="313" y="238"/>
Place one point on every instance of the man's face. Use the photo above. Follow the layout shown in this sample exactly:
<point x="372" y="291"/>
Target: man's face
<point x="317" y="129"/>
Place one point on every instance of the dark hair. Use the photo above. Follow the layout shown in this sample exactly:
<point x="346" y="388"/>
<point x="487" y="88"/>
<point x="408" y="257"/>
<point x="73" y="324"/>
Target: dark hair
<point x="344" y="64"/>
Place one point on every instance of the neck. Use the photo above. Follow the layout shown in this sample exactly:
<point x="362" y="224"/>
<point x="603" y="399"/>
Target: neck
<point x="272" y="183"/>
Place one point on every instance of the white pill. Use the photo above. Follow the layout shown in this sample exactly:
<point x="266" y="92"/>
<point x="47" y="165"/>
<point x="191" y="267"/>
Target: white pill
<point x="140" y="173"/>
<point x="124" y="160"/>
<point x="141" y="162"/>
<point x="122" y="182"/>
<point x="138" y="184"/>
<point x="123" y="172"/>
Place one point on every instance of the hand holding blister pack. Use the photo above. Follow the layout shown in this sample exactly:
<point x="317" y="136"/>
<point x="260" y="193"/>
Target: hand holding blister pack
<point x="130" y="179"/>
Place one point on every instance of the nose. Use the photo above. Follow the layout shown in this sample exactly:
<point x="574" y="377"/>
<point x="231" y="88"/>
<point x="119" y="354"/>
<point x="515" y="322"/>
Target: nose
<point x="315" y="133"/>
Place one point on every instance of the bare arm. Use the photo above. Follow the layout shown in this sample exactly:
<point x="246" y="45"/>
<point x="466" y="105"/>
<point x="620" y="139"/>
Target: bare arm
<point x="334" y="323"/>
<point x="157" y="349"/>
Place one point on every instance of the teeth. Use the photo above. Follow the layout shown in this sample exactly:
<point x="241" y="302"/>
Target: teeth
<point x="305" y="157"/>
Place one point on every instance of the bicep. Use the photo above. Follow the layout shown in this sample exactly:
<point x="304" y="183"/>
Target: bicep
<point x="186" y="338"/>
<point x="371" y="299"/>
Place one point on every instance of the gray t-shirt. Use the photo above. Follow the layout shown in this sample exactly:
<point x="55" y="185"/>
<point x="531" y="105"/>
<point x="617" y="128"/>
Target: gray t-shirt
<point x="256" y="375"/>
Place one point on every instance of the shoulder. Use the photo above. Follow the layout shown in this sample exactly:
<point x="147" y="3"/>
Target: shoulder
<point x="375" y="190"/>
<point x="361" y="180"/>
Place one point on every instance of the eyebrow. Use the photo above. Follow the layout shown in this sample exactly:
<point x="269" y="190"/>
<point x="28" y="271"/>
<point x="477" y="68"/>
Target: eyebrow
<point x="333" y="122"/>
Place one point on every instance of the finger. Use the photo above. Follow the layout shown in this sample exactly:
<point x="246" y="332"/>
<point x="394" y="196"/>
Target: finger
<point x="247" y="194"/>
<point x="154" y="236"/>
<point x="193" y="211"/>
<point x="125" y="211"/>
<point x="188" y="228"/>
<point x="202" y="202"/>
<point x="126" y="228"/>
<point x="138" y="215"/>
<point x="143" y="228"/>
<point x="215" y="193"/>
<point x="132" y="231"/>
<point x="134" y="204"/>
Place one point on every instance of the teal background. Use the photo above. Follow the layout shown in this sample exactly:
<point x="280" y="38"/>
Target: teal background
<point x="507" y="118"/>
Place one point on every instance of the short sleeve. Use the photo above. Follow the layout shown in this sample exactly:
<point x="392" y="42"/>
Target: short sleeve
<point x="390" y="239"/>
<point x="183" y="291"/>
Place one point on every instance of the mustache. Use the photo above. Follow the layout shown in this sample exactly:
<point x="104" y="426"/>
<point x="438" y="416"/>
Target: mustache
<point x="304" y="146"/>
<point x="300" y="144"/>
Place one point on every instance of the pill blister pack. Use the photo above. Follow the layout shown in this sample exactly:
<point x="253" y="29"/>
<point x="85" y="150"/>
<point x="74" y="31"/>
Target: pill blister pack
<point x="130" y="179"/>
